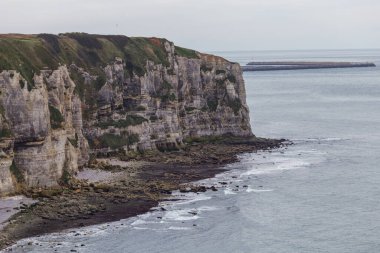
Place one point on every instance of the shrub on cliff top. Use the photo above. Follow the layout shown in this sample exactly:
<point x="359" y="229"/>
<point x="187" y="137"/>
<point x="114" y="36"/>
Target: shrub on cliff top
<point x="184" y="52"/>
<point x="86" y="40"/>
<point x="28" y="54"/>
<point x="51" y="40"/>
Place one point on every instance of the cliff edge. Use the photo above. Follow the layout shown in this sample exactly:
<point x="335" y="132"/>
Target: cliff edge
<point x="65" y="97"/>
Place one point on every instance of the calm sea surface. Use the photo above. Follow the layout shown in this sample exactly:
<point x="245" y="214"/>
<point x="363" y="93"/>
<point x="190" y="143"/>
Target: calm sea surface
<point x="320" y="195"/>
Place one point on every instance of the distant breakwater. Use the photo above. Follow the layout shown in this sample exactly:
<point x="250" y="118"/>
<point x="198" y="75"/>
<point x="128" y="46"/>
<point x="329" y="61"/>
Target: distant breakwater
<point x="289" y="65"/>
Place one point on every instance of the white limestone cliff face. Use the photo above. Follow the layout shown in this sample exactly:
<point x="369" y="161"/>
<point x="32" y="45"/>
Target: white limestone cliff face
<point x="46" y="127"/>
<point x="38" y="152"/>
<point x="189" y="98"/>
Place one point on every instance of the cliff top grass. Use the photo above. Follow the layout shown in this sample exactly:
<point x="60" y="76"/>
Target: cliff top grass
<point x="28" y="54"/>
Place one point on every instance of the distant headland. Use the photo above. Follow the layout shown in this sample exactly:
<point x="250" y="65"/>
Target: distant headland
<point x="290" y="65"/>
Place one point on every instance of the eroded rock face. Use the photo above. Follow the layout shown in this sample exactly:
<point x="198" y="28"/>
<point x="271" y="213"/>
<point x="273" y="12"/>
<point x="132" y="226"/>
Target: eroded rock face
<point x="189" y="98"/>
<point x="38" y="151"/>
<point x="6" y="182"/>
<point x="26" y="111"/>
<point x="46" y="128"/>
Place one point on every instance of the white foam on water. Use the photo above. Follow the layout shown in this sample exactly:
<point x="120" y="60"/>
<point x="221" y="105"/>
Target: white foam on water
<point x="140" y="228"/>
<point x="207" y="208"/>
<point x="187" y="198"/>
<point x="181" y="215"/>
<point x="327" y="139"/>
<point x="277" y="166"/>
<point x="144" y="215"/>
<point x="172" y="212"/>
<point x="229" y="191"/>
<point x="138" y="222"/>
<point x="179" y="228"/>
<point x="171" y="216"/>
<point x="334" y="139"/>
<point x="258" y="190"/>
<point x="148" y="223"/>
<point x="292" y="164"/>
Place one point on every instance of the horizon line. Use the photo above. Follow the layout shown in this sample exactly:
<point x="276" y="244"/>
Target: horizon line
<point x="276" y="50"/>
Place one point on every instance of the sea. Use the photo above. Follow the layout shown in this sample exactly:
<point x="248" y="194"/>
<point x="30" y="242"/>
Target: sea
<point x="321" y="194"/>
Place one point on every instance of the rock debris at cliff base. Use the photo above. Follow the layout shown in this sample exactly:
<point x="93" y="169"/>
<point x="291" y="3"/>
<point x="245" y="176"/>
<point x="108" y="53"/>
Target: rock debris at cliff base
<point x="138" y="186"/>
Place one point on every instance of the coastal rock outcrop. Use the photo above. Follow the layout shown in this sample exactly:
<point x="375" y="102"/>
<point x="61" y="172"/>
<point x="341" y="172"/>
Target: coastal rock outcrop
<point x="39" y="127"/>
<point x="65" y="97"/>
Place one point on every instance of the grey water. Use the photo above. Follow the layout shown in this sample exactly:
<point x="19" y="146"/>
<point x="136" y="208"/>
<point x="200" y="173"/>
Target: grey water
<point x="319" y="195"/>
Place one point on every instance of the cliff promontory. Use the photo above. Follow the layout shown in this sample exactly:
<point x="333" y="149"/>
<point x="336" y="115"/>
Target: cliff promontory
<point x="64" y="98"/>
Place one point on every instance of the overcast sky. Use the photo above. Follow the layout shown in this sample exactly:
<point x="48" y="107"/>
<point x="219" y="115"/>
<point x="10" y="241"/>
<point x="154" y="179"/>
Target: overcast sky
<point x="207" y="25"/>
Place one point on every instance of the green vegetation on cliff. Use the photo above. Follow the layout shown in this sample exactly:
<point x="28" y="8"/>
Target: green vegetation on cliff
<point x="212" y="104"/>
<point x="131" y="120"/>
<point x="5" y="132"/>
<point x="65" y="178"/>
<point x="235" y="105"/>
<point x="17" y="173"/>
<point x="56" y="118"/>
<point x="74" y="141"/>
<point x="184" y="52"/>
<point x="114" y="141"/>
<point x="28" y="54"/>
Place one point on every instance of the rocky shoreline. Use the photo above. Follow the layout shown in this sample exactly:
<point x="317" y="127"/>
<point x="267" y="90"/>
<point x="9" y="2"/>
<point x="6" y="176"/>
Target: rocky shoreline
<point x="142" y="181"/>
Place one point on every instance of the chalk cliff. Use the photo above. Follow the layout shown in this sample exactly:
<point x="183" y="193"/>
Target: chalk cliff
<point x="65" y="97"/>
